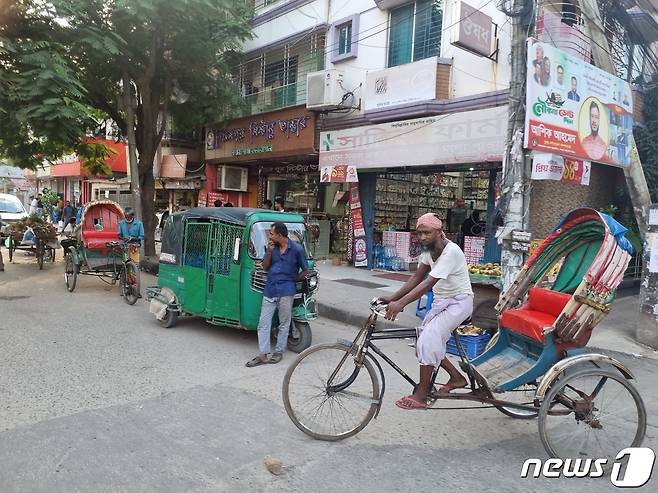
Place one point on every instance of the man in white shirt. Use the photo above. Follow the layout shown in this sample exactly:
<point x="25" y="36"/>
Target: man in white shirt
<point x="33" y="205"/>
<point x="448" y="278"/>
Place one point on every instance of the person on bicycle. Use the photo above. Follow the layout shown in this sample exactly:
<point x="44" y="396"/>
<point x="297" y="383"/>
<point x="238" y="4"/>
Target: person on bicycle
<point x="448" y="278"/>
<point x="131" y="230"/>
<point x="70" y="235"/>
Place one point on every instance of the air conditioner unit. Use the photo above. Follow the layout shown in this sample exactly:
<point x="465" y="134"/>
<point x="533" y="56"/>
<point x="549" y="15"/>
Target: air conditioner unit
<point x="232" y="178"/>
<point x="323" y="90"/>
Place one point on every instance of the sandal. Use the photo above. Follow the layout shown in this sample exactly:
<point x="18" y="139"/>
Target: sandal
<point x="257" y="361"/>
<point x="409" y="403"/>
<point x="275" y="358"/>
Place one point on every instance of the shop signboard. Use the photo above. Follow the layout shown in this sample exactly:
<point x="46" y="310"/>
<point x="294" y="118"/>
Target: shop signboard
<point x="339" y="174"/>
<point x="282" y="133"/>
<point x="404" y="84"/>
<point x="463" y="137"/>
<point x="554" y="167"/>
<point x="575" y="109"/>
<point x="473" y="30"/>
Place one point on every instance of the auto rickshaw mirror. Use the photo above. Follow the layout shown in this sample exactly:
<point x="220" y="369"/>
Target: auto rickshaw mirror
<point x="236" y="250"/>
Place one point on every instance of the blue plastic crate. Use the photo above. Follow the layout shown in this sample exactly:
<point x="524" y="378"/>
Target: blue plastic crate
<point x="473" y="346"/>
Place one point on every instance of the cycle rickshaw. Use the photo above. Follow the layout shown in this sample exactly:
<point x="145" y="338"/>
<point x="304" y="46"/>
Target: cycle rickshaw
<point x="538" y="366"/>
<point x="99" y="251"/>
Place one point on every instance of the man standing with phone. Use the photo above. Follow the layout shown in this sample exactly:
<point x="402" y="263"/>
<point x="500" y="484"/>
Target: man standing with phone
<point x="285" y="264"/>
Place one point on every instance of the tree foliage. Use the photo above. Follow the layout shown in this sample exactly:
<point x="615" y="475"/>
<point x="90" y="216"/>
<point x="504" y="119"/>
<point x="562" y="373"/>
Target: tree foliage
<point x="177" y="56"/>
<point x="43" y="111"/>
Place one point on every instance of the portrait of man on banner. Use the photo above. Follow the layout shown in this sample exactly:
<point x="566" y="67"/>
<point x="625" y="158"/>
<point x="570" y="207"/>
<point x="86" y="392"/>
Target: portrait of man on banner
<point x="593" y="143"/>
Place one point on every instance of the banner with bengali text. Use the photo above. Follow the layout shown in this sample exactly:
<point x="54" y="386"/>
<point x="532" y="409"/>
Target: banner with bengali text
<point x="576" y="109"/>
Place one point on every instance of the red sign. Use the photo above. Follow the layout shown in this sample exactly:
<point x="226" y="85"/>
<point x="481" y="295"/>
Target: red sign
<point x="338" y="174"/>
<point x="358" y="231"/>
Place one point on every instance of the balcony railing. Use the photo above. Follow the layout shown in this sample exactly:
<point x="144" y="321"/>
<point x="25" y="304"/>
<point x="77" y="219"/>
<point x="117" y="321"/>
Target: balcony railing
<point x="276" y="79"/>
<point x="274" y="98"/>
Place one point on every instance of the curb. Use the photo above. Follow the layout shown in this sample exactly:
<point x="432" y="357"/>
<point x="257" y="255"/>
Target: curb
<point x="351" y="318"/>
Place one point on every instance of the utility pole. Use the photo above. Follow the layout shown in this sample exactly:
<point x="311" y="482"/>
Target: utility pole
<point x="516" y="164"/>
<point x="132" y="146"/>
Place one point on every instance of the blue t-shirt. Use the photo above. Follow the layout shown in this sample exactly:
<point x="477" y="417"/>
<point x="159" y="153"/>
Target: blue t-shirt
<point x="283" y="272"/>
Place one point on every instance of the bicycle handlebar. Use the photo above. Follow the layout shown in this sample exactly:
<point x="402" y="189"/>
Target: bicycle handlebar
<point x="379" y="308"/>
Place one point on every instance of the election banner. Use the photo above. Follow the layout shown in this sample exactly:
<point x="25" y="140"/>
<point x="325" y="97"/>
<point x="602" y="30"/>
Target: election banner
<point x="575" y="109"/>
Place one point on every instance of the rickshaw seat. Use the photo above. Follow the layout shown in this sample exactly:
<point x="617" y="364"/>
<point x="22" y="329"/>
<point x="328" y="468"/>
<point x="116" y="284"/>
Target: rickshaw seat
<point x="539" y="312"/>
<point x="96" y="240"/>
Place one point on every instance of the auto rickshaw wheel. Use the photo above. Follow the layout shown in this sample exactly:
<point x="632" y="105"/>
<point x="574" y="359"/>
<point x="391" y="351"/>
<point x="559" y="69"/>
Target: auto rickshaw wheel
<point x="169" y="320"/>
<point x="300" y="336"/>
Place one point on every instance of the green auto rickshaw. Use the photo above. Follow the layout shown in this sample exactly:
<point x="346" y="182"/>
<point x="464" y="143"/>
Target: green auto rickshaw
<point x="210" y="268"/>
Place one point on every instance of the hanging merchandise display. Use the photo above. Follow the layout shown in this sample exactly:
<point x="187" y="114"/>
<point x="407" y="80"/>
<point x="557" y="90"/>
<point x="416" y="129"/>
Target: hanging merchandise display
<point x="459" y="198"/>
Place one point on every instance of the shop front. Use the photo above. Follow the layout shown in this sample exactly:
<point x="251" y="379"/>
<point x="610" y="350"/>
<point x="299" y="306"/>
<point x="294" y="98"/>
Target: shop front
<point x="446" y="164"/>
<point x="273" y="156"/>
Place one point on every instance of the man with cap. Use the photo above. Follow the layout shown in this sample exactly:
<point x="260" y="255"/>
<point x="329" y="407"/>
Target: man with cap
<point x="131" y="229"/>
<point x="448" y="278"/>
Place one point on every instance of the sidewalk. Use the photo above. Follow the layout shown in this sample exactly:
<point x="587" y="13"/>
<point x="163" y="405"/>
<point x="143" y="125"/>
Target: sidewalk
<point x="345" y="294"/>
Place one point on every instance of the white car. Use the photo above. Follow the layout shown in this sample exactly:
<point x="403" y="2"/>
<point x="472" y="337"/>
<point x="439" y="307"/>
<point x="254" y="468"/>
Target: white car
<point x="11" y="210"/>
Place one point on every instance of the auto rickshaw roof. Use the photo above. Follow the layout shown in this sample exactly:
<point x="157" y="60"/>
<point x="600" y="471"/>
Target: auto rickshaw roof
<point x="231" y="215"/>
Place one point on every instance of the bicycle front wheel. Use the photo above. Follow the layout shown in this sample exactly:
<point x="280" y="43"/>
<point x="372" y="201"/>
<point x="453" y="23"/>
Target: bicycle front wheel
<point x="330" y="410"/>
<point x="130" y="282"/>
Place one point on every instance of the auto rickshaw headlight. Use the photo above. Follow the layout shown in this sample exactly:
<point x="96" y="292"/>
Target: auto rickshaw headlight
<point x="312" y="282"/>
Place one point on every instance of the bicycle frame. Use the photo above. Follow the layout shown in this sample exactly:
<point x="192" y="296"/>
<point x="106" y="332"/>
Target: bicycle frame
<point x="363" y="343"/>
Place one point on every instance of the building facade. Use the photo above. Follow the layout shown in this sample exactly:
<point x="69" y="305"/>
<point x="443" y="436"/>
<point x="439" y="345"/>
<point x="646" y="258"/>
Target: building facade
<point x="428" y="66"/>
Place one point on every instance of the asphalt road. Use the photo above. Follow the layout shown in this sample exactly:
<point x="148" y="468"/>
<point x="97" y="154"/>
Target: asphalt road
<point x="96" y="396"/>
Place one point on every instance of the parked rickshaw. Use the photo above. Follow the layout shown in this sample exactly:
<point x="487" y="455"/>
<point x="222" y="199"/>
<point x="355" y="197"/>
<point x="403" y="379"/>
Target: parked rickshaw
<point x="100" y="252"/>
<point x="210" y="267"/>
<point x="42" y="246"/>
<point x="538" y="367"/>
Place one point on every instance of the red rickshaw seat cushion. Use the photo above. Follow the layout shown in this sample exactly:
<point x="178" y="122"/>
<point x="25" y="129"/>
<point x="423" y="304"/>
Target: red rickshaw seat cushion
<point x="97" y="240"/>
<point x="540" y="312"/>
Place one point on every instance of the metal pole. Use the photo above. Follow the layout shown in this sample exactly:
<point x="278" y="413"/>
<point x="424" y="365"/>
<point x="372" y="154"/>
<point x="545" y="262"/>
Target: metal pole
<point x="516" y="165"/>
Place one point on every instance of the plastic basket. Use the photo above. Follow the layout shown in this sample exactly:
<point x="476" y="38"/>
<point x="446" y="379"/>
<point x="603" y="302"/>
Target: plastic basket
<point x="473" y="346"/>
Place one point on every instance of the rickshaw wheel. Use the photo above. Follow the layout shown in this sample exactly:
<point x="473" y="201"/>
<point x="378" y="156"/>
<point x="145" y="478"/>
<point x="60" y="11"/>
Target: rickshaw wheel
<point x="70" y="273"/>
<point x="129" y="282"/>
<point x="11" y="249"/>
<point x="300" y="336"/>
<point x="39" y="254"/>
<point x="593" y="412"/>
<point x="170" y="319"/>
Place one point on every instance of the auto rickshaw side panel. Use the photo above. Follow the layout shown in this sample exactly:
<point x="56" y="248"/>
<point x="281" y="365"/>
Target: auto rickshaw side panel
<point x="223" y="274"/>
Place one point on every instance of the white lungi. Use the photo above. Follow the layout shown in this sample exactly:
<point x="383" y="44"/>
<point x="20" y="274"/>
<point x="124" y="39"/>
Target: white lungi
<point x="445" y="316"/>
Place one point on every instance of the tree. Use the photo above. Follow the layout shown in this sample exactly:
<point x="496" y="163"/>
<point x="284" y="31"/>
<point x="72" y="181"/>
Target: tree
<point x="176" y="56"/>
<point x="43" y="113"/>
